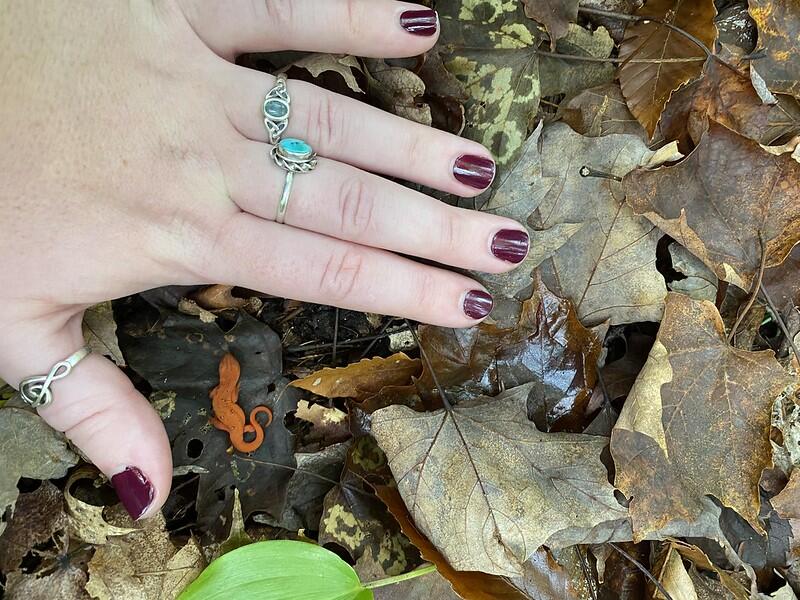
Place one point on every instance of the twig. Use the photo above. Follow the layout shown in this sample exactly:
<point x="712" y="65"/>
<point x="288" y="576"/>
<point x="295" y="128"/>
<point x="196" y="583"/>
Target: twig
<point x="643" y="569"/>
<point x="585" y="569"/>
<point x="350" y="342"/>
<point x="375" y="341"/>
<point x="753" y="293"/>
<point x="779" y="319"/>
<point x="310" y="473"/>
<point x="617" y="60"/>
<point x="335" y="335"/>
<point x="442" y="394"/>
<point x="640" y="18"/>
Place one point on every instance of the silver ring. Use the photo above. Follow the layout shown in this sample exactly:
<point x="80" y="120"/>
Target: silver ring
<point x="294" y="156"/>
<point x="276" y="108"/>
<point x="35" y="390"/>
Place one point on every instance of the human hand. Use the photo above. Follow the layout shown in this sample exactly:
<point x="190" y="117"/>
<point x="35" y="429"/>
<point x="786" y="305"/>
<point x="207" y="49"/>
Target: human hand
<point x="134" y="156"/>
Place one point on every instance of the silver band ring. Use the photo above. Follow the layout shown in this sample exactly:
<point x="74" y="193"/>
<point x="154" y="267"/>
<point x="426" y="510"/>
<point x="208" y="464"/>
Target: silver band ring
<point x="276" y="108"/>
<point x="35" y="390"/>
<point x="294" y="156"/>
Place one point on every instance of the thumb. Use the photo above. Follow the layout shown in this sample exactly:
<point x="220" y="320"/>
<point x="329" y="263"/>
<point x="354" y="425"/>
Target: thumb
<point x="98" y="409"/>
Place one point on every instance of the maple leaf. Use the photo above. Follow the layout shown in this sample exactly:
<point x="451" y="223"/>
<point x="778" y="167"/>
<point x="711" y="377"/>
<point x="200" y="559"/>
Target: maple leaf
<point x="592" y="248"/>
<point x="488" y="488"/>
<point x="648" y="86"/>
<point x="555" y="15"/>
<point x="734" y="196"/>
<point x="778" y="24"/>
<point x="696" y="422"/>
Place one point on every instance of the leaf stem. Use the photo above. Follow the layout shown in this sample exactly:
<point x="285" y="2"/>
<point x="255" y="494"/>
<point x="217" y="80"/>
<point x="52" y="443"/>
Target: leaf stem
<point x="643" y="569"/>
<point x="615" y="60"/>
<point x="442" y="394"/>
<point x="398" y="578"/>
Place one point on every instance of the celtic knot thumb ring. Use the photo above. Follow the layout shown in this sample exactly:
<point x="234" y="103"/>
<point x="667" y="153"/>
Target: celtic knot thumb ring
<point x="35" y="390"/>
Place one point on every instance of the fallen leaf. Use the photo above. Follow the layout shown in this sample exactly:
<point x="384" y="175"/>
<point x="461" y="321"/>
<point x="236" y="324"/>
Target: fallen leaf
<point x="86" y="521"/>
<point x="547" y="578"/>
<point x="217" y="298"/>
<point x="619" y="578"/>
<point x="237" y="536"/>
<point x="65" y="583"/>
<point x="696" y="422"/>
<point x="343" y="64"/>
<point x="787" y="502"/>
<point x="362" y="379"/>
<point x="726" y="96"/>
<point x="690" y="585"/>
<point x="443" y="93"/>
<point x="674" y="577"/>
<point x="778" y="24"/>
<point x="143" y="565"/>
<point x="41" y="453"/>
<point x="486" y="487"/>
<point x="100" y="332"/>
<point x="37" y="517"/>
<point x="490" y="46"/>
<point x="469" y="585"/>
<point x="568" y="76"/>
<point x="599" y="111"/>
<point x="426" y="587"/>
<point x="699" y="282"/>
<point x="783" y="282"/>
<point x="602" y="256"/>
<point x="178" y="354"/>
<point x="397" y="90"/>
<point x="328" y="426"/>
<point x="648" y="86"/>
<point x="555" y="15"/>
<point x="733" y="196"/>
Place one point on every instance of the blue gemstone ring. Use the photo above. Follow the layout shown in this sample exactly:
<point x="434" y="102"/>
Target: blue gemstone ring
<point x="293" y="156"/>
<point x="276" y="108"/>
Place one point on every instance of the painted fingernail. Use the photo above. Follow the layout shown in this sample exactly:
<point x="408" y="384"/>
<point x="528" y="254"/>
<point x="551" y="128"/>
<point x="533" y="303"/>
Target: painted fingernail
<point x="474" y="171"/>
<point x="510" y="245"/>
<point x="134" y="491"/>
<point x="420" y="22"/>
<point x="477" y="304"/>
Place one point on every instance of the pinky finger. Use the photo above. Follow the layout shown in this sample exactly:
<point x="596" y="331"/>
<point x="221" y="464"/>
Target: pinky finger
<point x="302" y="265"/>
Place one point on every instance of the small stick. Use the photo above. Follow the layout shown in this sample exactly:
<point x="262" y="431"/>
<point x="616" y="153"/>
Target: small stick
<point x="643" y="569"/>
<point x="753" y="293"/>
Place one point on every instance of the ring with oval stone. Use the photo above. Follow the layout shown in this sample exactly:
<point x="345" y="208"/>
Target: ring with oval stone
<point x="276" y="108"/>
<point x="294" y="156"/>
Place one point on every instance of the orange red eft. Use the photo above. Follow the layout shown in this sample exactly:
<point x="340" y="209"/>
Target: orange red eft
<point x="228" y="415"/>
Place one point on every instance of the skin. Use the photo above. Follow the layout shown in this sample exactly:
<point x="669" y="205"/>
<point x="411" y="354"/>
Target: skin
<point x="134" y="156"/>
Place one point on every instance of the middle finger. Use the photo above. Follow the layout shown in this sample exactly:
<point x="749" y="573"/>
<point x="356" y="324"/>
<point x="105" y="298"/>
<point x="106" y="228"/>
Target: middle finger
<point x="350" y="131"/>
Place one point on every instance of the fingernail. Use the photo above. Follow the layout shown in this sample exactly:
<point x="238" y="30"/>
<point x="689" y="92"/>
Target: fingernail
<point x="134" y="491"/>
<point x="510" y="245"/>
<point x="474" y="171"/>
<point x="420" y="22"/>
<point x="477" y="304"/>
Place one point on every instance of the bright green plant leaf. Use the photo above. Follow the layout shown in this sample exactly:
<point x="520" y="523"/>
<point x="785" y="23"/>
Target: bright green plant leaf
<point x="277" y="570"/>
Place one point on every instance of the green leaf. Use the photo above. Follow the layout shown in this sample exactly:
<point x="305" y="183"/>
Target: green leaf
<point x="277" y="570"/>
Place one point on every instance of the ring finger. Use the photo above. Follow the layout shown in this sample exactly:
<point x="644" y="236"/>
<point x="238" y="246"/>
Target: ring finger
<point x="344" y="202"/>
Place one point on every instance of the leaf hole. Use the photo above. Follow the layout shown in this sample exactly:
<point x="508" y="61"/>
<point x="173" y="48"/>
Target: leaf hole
<point x="194" y="448"/>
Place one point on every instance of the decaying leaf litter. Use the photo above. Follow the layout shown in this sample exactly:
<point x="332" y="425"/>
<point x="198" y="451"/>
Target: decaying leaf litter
<point x="625" y="425"/>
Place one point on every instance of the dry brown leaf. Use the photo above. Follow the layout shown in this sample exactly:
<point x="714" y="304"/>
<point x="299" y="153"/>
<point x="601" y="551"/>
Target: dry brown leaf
<point x="329" y="425"/>
<point x="486" y="487"/>
<point x="699" y="282"/>
<point x="41" y="453"/>
<point x="143" y="565"/>
<point x="86" y="520"/>
<point x="65" y="583"/>
<point x="555" y="15"/>
<point x="38" y="515"/>
<point x="696" y="422"/>
<point x="397" y="90"/>
<point x="674" y="578"/>
<point x="733" y="196"/>
<point x="778" y="30"/>
<point x="600" y="111"/>
<point x="343" y="64"/>
<point x="362" y="379"/>
<point x="220" y="297"/>
<point x="727" y="96"/>
<point x="601" y="255"/>
<point x="648" y="86"/>
<point x="100" y="332"/>
<point x="787" y="502"/>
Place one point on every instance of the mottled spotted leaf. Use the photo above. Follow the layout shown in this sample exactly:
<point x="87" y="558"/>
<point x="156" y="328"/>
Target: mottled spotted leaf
<point x="491" y="47"/>
<point x="778" y="31"/>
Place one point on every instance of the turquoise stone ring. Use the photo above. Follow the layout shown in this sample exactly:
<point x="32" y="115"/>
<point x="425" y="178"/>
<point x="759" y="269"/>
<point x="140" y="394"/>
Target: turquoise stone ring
<point x="294" y="156"/>
<point x="294" y="149"/>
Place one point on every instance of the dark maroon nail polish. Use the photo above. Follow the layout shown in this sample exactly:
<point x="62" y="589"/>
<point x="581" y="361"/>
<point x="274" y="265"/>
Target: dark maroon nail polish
<point x="420" y="22"/>
<point x="477" y="304"/>
<point x="134" y="491"/>
<point x="510" y="245"/>
<point x="474" y="171"/>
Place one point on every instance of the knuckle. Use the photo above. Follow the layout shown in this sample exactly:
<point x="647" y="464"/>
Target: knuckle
<point x="449" y="234"/>
<point x="356" y="208"/>
<point x="278" y="13"/>
<point x="342" y="275"/>
<point x="327" y="120"/>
